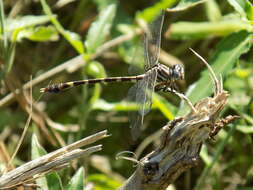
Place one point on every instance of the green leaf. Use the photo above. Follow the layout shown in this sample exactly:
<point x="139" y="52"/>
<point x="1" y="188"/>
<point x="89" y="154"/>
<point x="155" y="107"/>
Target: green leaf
<point x="4" y="42"/>
<point x="103" y="4"/>
<point x="239" y="99"/>
<point x="235" y="84"/>
<point x="102" y="182"/>
<point x="7" y="49"/>
<point x="71" y="37"/>
<point x="100" y="29"/>
<point x="37" y="149"/>
<point x="227" y="53"/>
<point x="158" y="103"/>
<point x="245" y="129"/>
<point x="243" y="7"/>
<point x="41" y="33"/>
<point x="52" y="181"/>
<point x="248" y="118"/>
<point x="243" y="73"/>
<point x="213" y="11"/>
<point x="167" y="109"/>
<point x="95" y="69"/>
<point x="185" y="4"/>
<point x="103" y="105"/>
<point x="75" y="40"/>
<point x="77" y="181"/>
<point x="204" y="155"/>
<point x="25" y="21"/>
<point x="150" y="13"/>
<point x="189" y="30"/>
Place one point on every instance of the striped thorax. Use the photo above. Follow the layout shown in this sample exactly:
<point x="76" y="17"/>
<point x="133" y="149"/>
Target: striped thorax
<point x="167" y="74"/>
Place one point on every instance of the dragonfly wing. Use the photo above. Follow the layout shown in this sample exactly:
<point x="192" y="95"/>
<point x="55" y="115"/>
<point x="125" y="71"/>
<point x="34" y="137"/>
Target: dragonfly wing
<point x="141" y="93"/>
<point x="152" y="41"/>
<point x="145" y="92"/>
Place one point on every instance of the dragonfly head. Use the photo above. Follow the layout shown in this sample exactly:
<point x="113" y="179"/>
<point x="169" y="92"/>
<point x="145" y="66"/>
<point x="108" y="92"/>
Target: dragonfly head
<point x="178" y="72"/>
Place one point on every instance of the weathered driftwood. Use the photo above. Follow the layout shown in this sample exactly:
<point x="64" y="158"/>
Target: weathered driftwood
<point x="181" y="142"/>
<point x="50" y="162"/>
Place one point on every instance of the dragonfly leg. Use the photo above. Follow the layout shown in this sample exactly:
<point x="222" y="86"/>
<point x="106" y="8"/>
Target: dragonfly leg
<point x="171" y="88"/>
<point x="166" y="87"/>
<point x="160" y="87"/>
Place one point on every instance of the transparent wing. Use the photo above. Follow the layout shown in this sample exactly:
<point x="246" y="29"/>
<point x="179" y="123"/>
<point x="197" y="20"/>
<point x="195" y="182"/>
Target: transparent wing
<point x="141" y="93"/>
<point x="136" y="57"/>
<point x="152" y="41"/>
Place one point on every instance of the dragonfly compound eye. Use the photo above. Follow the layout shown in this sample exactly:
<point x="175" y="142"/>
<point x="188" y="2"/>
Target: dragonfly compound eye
<point x="178" y="72"/>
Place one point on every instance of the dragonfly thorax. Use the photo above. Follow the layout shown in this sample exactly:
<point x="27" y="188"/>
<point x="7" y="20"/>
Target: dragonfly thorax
<point x="174" y="73"/>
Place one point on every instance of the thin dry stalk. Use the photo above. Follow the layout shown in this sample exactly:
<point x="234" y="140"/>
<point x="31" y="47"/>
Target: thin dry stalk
<point x="24" y="131"/>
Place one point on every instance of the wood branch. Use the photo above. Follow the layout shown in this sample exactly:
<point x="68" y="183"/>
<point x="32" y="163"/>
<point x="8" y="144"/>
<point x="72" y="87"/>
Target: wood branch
<point x="179" y="150"/>
<point x="51" y="161"/>
<point x="181" y="141"/>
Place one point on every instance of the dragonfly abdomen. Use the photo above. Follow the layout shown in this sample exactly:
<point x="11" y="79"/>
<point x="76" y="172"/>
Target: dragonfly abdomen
<point x="55" y="88"/>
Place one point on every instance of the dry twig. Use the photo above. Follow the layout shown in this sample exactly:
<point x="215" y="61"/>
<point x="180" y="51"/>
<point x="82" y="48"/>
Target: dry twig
<point x="50" y="162"/>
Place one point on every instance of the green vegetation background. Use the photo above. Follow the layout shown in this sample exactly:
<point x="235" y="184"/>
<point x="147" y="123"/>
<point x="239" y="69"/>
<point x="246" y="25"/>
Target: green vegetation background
<point x="38" y="36"/>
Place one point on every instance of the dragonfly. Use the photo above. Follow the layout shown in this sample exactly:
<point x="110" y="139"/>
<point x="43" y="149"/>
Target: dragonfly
<point x="157" y="77"/>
